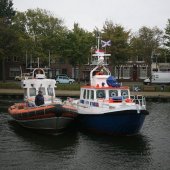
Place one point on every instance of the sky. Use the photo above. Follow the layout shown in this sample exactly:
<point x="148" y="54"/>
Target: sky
<point x="91" y="14"/>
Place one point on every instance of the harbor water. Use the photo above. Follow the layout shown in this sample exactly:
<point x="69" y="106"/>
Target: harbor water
<point x="21" y="149"/>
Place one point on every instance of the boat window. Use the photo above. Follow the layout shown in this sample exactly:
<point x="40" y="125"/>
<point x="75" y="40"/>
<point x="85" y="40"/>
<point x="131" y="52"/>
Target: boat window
<point x="84" y="94"/>
<point x="32" y="92"/>
<point x="113" y="93"/>
<point x="92" y="94"/>
<point x="43" y="90"/>
<point x="50" y="91"/>
<point x="100" y="94"/>
<point x="124" y="93"/>
<point x="25" y="92"/>
<point x="88" y="91"/>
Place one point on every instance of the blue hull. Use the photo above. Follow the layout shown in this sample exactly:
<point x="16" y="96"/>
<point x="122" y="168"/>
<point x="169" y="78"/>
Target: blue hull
<point x="119" y="123"/>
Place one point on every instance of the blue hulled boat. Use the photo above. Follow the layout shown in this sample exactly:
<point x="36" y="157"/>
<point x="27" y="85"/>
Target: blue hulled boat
<point x="105" y="106"/>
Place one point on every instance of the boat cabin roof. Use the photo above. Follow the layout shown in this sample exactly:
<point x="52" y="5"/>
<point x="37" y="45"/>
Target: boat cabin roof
<point x="104" y="88"/>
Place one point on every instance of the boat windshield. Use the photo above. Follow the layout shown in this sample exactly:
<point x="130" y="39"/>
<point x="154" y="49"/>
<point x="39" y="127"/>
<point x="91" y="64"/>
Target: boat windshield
<point x="32" y="91"/>
<point x="124" y="93"/>
<point x="43" y="90"/>
<point x="113" y="93"/>
<point x="100" y="94"/>
<point x="50" y="91"/>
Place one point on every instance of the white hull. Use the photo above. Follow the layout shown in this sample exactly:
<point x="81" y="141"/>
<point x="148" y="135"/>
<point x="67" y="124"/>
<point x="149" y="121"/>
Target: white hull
<point x="106" y="110"/>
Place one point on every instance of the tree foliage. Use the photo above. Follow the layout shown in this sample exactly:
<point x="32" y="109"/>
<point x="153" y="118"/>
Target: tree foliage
<point x="78" y="45"/>
<point x="40" y="32"/>
<point x="167" y="40"/>
<point x="167" y="35"/>
<point x="146" y="43"/>
<point x="8" y="36"/>
<point x="119" y="41"/>
<point x="6" y="11"/>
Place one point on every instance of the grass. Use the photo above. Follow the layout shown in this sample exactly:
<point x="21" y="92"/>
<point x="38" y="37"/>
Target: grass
<point x="16" y="85"/>
<point x="74" y="86"/>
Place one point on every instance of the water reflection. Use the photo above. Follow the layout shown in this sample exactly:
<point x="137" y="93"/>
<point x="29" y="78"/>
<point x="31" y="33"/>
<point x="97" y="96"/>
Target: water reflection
<point x="106" y="152"/>
<point x="24" y="149"/>
<point x="137" y="144"/>
<point x="45" y="142"/>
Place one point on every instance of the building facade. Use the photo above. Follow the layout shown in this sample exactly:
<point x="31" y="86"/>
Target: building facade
<point x="131" y="71"/>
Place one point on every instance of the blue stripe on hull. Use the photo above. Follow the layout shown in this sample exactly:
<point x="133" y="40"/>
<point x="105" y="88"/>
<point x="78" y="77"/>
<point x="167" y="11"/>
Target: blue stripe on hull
<point x="120" y="123"/>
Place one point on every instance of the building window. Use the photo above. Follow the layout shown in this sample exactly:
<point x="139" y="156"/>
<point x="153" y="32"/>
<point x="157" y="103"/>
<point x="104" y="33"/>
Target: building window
<point x="126" y="72"/>
<point x="57" y="72"/>
<point x="61" y="61"/>
<point x="15" y="59"/>
<point x="64" y="71"/>
<point x="8" y="59"/>
<point x="14" y="71"/>
<point x="118" y="71"/>
<point x="143" y="72"/>
<point x="75" y="73"/>
<point x="94" y="60"/>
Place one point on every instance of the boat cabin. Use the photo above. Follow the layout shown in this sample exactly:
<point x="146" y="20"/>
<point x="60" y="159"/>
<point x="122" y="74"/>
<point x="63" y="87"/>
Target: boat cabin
<point x="106" y="88"/>
<point x="39" y="82"/>
<point x="104" y="93"/>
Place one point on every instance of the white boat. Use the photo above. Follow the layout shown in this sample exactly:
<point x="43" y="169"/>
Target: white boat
<point x="105" y="106"/>
<point x="50" y="116"/>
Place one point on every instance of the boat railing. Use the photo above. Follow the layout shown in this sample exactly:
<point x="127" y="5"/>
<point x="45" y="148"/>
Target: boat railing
<point x="138" y="99"/>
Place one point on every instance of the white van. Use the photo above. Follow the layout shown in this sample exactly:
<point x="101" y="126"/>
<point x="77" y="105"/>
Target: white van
<point x="158" y="78"/>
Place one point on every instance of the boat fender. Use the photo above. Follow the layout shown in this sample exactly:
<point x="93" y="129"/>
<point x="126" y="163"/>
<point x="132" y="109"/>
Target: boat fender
<point x="128" y="100"/>
<point x="110" y="100"/>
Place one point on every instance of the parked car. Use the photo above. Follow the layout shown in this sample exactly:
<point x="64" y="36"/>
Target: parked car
<point x="61" y="75"/>
<point x="23" y="76"/>
<point x="64" y="80"/>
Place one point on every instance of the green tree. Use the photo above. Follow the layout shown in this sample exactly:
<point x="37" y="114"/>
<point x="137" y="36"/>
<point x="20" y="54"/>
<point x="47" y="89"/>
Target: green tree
<point x="119" y="42"/>
<point x="78" y="45"/>
<point x="42" y="33"/>
<point x="8" y="37"/>
<point x="167" y="35"/>
<point x="167" y="40"/>
<point x="146" y="43"/>
<point x="6" y="12"/>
